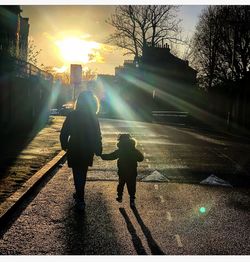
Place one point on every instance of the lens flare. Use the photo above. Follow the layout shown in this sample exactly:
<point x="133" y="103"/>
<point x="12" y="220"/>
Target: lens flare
<point x="202" y="210"/>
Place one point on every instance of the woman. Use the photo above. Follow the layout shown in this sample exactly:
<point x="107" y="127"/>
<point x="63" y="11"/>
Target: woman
<point x="81" y="138"/>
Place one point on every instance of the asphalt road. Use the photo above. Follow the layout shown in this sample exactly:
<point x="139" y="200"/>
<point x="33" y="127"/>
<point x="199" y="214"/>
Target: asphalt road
<point x="171" y="218"/>
<point x="180" y="154"/>
<point x="168" y="220"/>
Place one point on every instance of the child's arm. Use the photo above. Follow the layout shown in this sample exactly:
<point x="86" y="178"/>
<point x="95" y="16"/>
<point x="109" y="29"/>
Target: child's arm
<point x="110" y="156"/>
<point x="139" y="156"/>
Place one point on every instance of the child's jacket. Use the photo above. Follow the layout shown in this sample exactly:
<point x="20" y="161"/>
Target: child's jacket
<point x="127" y="160"/>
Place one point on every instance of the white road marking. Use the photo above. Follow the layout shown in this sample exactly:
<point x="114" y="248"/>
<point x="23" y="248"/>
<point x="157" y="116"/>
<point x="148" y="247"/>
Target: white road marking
<point x="178" y="239"/>
<point x="156" y="187"/>
<point x="162" y="199"/>
<point x="169" y="217"/>
<point x="237" y="166"/>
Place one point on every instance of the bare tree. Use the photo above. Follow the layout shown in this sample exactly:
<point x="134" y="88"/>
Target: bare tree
<point x="235" y="37"/>
<point x="33" y="52"/>
<point x="206" y="46"/>
<point x="183" y="49"/>
<point x="221" y="44"/>
<point x="63" y="77"/>
<point x="137" y="26"/>
<point x="89" y="74"/>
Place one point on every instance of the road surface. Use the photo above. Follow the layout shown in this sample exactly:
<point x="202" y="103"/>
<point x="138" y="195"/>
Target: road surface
<point x="180" y="154"/>
<point x="171" y="218"/>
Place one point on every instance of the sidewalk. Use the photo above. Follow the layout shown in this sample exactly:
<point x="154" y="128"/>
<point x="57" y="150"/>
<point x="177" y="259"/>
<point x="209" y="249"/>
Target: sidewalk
<point x="167" y="221"/>
<point x="22" y="159"/>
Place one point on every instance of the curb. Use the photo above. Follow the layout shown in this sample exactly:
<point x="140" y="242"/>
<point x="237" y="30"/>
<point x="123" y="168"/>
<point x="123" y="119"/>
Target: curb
<point x="12" y="202"/>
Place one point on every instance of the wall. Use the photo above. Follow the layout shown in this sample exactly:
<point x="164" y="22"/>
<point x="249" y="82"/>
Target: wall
<point x="24" y="101"/>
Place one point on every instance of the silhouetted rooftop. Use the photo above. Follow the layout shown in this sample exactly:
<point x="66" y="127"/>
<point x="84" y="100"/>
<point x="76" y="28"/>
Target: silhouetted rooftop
<point x="16" y="9"/>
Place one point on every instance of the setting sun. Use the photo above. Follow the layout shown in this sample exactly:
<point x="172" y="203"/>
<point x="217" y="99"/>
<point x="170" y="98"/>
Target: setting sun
<point x="77" y="50"/>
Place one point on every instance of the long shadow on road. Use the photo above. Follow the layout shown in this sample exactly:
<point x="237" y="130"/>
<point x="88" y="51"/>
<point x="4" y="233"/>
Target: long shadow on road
<point x="135" y="239"/>
<point x="91" y="232"/>
<point x="155" y="249"/>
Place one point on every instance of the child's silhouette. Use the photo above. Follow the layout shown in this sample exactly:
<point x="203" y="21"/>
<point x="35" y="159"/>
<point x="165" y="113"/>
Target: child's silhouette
<point x="127" y="156"/>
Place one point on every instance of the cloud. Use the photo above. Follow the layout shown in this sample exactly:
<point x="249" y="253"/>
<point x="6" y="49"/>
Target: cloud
<point x="96" y="57"/>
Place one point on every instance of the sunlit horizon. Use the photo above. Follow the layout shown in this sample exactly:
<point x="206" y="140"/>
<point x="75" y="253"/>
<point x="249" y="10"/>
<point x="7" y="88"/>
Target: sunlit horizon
<point x="76" y="50"/>
<point x="83" y="24"/>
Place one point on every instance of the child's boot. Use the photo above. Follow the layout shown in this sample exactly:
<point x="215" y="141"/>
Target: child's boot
<point x="119" y="199"/>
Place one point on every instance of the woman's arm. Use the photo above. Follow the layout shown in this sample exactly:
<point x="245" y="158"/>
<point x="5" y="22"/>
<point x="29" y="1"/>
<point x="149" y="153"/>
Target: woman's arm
<point x="98" y="140"/>
<point x="64" y="135"/>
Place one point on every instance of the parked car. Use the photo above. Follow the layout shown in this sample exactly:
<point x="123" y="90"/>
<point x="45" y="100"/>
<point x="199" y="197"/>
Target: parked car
<point x="54" y="112"/>
<point x="66" y="109"/>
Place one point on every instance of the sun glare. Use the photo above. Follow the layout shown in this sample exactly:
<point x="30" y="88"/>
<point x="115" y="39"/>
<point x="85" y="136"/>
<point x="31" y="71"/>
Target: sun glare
<point x="60" y="69"/>
<point x="77" y="50"/>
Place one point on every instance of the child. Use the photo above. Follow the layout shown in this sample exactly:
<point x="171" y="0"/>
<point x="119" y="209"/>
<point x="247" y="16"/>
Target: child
<point x="127" y="156"/>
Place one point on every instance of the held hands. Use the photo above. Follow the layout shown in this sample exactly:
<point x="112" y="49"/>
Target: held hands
<point x="98" y="152"/>
<point x="100" y="155"/>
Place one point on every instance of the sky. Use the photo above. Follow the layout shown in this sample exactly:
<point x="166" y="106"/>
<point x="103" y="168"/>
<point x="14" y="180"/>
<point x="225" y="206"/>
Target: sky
<point x="69" y="33"/>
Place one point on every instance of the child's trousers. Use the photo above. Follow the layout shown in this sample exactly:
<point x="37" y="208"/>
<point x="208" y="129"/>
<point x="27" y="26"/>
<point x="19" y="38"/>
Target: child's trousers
<point x="131" y="186"/>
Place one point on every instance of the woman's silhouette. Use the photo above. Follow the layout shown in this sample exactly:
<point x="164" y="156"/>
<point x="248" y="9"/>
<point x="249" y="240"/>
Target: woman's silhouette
<point x="81" y="138"/>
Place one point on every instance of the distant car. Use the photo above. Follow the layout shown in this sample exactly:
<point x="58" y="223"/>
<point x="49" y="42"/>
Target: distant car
<point x="54" y="112"/>
<point x="64" y="111"/>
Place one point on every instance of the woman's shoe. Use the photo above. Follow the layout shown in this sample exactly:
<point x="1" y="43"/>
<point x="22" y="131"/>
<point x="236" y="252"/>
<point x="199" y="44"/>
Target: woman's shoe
<point x="80" y="205"/>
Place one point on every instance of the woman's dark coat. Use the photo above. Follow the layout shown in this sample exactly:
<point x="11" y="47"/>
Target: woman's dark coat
<point x="81" y="138"/>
